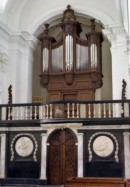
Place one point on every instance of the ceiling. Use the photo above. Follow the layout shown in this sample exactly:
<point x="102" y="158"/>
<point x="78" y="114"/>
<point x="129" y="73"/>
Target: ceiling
<point x="30" y="15"/>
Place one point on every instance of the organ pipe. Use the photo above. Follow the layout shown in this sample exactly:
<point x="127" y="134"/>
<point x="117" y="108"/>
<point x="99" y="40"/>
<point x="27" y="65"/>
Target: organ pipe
<point x="93" y="55"/>
<point x="69" y="52"/>
<point x="77" y="53"/>
<point x="45" y="59"/>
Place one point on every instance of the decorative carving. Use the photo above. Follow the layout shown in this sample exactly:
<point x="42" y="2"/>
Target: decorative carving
<point x="16" y="145"/>
<point x="124" y="84"/>
<point x="10" y="94"/>
<point x="62" y="164"/>
<point x="44" y="80"/>
<point x="24" y="146"/>
<point x="68" y="14"/>
<point x="103" y="146"/>
<point x="107" y="150"/>
<point x="69" y="77"/>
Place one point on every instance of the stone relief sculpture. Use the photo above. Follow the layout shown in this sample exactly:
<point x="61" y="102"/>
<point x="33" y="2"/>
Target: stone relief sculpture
<point x="25" y="145"/>
<point x="104" y="145"/>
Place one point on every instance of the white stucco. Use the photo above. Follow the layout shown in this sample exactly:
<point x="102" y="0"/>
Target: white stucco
<point x="27" y="15"/>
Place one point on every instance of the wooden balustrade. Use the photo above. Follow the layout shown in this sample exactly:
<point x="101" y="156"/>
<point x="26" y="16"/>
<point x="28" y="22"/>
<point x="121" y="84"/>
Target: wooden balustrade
<point x="75" y="109"/>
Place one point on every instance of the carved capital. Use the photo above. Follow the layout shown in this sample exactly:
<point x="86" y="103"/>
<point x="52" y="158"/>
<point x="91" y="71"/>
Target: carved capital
<point x="30" y="39"/>
<point x="115" y="35"/>
<point x="24" y="39"/>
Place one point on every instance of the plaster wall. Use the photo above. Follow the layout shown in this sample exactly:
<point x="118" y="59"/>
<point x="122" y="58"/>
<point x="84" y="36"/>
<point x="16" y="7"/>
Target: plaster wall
<point x="119" y="71"/>
<point x="4" y="36"/>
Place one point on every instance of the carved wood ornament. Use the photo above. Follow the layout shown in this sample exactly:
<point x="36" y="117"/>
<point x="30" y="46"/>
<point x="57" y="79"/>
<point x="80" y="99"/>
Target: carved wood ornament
<point x="62" y="165"/>
<point x="71" y="66"/>
<point x="10" y="94"/>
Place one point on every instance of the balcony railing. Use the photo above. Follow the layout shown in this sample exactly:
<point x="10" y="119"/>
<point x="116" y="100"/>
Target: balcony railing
<point x="66" y="110"/>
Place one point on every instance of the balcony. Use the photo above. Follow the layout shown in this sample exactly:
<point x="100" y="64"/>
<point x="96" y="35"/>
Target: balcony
<point x="87" y="112"/>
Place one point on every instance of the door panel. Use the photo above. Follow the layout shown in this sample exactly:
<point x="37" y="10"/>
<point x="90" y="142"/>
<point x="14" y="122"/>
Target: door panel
<point x="62" y="157"/>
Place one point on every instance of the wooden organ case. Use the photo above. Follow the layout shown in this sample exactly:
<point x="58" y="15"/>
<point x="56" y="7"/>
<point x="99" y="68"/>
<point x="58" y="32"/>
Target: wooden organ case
<point x="71" y="66"/>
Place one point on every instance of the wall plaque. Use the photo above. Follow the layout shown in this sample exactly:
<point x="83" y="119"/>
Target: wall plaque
<point x="103" y="146"/>
<point x="24" y="146"/>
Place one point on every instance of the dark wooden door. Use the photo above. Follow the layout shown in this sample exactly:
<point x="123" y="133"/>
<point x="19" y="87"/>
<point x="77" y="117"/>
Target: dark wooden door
<point x="62" y="157"/>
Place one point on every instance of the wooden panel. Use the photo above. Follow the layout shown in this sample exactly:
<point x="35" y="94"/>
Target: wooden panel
<point x="96" y="182"/>
<point x="54" y="96"/>
<point x="69" y="96"/>
<point x="86" y="95"/>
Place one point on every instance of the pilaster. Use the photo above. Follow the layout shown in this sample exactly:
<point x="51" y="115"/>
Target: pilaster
<point x="80" y="154"/>
<point x="2" y="155"/>
<point x="43" y="156"/>
<point x="117" y="37"/>
<point x="127" y="154"/>
<point x="22" y="46"/>
<point x="3" y="77"/>
<point x="27" y="68"/>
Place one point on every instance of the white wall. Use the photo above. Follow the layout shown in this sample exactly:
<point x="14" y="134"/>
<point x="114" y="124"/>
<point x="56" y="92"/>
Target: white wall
<point x="4" y="58"/>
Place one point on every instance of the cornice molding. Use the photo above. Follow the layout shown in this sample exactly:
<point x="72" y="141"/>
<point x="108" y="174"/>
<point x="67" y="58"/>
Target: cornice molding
<point x="7" y="129"/>
<point x="115" y="35"/>
<point x="25" y="39"/>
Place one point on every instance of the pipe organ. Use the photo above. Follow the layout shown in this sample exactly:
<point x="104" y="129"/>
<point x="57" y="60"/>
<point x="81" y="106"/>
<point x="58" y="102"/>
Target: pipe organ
<point x="71" y="66"/>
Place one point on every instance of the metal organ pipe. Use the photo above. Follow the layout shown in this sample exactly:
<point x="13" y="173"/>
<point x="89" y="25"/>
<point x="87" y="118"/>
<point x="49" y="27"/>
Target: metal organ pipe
<point x="93" y="56"/>
<point x="78" y="56"/>
<point x="69" y="52"/>
<point x="66" y="51"/>
<point x="45" y="59"/>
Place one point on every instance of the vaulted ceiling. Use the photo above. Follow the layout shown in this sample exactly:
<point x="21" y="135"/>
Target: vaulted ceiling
<point x="30" y="15"/>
